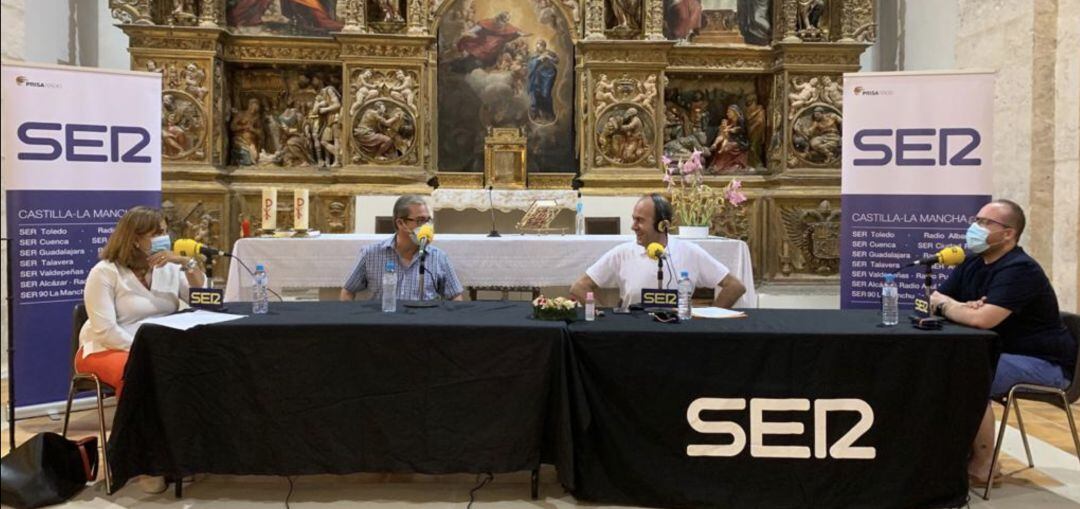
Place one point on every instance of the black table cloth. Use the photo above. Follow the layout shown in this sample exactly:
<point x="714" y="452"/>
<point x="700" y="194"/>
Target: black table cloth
<point x="635" y="380"/>
<point x="342" y="387"/>
<point x="481" y="387"/>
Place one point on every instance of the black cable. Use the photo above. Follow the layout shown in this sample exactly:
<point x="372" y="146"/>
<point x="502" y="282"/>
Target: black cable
<point x="252" y="274"/>
<point x="289" y="495"/>
<point x="472" y="493"/>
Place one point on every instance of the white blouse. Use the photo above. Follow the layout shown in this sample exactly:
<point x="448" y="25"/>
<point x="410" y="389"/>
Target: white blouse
<point x="117" y="302"/>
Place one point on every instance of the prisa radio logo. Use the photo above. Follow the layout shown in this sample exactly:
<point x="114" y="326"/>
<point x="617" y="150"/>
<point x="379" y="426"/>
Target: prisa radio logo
<point x="860" y="91"/>
<point x="23" y="81"/>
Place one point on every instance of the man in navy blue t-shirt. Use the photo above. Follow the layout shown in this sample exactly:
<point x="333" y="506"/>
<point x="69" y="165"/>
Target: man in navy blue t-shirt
<point x="1005" y="290"/>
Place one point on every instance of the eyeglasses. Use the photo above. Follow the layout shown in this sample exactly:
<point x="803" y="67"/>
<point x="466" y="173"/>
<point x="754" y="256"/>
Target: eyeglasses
<point x="420" y="221"/>
<point x="986" y="221"/>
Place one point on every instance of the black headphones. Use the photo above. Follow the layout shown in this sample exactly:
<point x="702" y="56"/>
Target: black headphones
<point x="663" y="211"/>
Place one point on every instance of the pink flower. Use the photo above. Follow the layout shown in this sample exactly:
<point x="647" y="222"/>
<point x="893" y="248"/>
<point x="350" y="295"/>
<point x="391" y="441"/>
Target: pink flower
<point x="735" y="185"/>
<point x="667" y="160"/>
<point x="667" y="178"/>
<point x="736" y="198"/>
<point x="696" y="156"/>
<point x="691" y="165"/>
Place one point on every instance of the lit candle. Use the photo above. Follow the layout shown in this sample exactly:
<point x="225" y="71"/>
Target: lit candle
<point x="269" y="209"/>
<point x="300" y="209"/>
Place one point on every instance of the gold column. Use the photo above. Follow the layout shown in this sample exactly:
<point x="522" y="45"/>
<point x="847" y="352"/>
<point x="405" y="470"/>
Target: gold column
<point x="594" y="20"/>
<point x="654" y="20"/>
<point x="353" y="14"/>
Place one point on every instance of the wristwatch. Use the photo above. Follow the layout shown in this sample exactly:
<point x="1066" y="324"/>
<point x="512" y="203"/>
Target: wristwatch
<point x="191" y="264"/>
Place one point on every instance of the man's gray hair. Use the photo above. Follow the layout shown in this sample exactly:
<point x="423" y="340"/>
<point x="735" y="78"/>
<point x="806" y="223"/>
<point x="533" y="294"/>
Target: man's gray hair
<point x="401" y="206"/>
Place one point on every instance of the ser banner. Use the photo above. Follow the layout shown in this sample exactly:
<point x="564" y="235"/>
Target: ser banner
<point x="80" y="147"/>
<point x="916" y="169"/>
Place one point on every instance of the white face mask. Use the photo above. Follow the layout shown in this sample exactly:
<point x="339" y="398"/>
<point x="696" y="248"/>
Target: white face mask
<point x="975" y="238"/>
<point x="160" y="243"/>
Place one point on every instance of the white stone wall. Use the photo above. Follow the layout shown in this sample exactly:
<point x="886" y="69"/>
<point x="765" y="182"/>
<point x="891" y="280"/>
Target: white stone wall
<point x="1066" y="212"/>
<point x="1035" y="48"/>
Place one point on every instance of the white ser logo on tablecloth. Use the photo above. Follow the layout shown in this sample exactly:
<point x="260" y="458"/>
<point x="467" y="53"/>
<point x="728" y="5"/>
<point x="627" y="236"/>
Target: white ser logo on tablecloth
<point x="759" y="427"/>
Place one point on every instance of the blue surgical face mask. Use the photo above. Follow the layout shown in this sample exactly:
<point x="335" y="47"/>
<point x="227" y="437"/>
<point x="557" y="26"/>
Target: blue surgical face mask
<point x="976" y="238"/>
<point x="160" y="243"/>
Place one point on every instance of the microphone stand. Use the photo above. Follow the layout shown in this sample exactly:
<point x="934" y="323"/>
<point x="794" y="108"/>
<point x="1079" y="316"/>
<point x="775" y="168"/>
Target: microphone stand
<point x="659" y="272"/>
<point x="928" y="285"/>
<point x="11" y="345"/>
<point x="423" y="257"/>
<point x="209" y="271"/>
<point x="491" y="204"/>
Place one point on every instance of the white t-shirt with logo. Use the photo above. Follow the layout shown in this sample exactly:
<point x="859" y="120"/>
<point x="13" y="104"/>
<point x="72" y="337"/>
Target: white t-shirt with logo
<point x="629" y="267"/>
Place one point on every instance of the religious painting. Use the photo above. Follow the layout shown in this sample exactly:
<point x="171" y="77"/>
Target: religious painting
<point x="718" y="21"/>
<point x="506" y="64"/>
<point x="283" y="17"/>
<point x="723" y="117"/>
<point x="285" y="117"/>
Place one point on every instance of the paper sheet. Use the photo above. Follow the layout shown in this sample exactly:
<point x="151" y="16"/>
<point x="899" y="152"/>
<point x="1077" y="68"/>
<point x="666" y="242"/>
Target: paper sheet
<point x="185" y="321"/>
<point x="715" y="312"/>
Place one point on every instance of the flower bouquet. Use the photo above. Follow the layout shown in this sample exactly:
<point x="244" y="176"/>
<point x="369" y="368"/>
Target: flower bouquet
<point x="559" y="308"/>
<point x="695" y="202"/>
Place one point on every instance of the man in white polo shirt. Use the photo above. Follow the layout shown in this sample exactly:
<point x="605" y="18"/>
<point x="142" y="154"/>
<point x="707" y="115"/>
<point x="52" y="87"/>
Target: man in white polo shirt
<point x="629" y="267"/>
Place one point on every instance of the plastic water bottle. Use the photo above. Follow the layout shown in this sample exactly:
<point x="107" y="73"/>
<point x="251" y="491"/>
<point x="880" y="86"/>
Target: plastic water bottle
<point x="579" y="220"/>
<point x="389" y="288"/>
<point x="260" y="300"/>
<point x="686" y="292"/>
<point x="890" y="301"/>
<point x="590" y="307"/>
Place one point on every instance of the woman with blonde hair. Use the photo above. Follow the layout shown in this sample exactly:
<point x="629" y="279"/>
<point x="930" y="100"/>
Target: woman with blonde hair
<point x="138" y="277"/>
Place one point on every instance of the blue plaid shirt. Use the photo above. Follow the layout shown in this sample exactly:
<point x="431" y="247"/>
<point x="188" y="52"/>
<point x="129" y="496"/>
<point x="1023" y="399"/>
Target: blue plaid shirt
<point x="439" y="276"/>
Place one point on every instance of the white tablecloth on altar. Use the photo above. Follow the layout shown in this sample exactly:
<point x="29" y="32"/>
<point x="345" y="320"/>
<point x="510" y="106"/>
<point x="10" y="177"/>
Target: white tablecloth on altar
<point x="480" y="261"/>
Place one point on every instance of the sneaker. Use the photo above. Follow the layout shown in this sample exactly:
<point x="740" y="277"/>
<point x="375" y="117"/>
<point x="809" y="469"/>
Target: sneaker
<point x="152" y="485"/>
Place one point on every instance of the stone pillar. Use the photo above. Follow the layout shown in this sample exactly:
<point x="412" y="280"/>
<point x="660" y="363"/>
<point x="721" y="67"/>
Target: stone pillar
<point x="1032" y="45"/>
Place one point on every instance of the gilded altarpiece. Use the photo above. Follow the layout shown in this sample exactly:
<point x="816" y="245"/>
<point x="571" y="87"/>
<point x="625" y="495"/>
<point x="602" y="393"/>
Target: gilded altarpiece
<point x="343" y="97"/>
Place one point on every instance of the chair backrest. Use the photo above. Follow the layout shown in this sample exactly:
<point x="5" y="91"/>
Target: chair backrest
<point x="1072" y="322"/>
<point x="78" y="318"/>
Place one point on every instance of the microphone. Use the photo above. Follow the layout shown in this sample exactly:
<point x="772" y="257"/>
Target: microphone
<point x="948" y="256"/>
<point x="425" y="235"/>
<point x="491" y="204"/>
<point x="656" y="251"/>
<point x="189" y="247"/>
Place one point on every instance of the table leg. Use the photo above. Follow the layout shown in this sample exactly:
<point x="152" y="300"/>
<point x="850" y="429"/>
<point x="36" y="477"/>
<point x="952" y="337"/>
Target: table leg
<point x="535" y="484"/>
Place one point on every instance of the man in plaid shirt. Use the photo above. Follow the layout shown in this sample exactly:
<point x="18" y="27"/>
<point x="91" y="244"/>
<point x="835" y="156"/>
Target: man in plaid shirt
<point x="440" y="280"/>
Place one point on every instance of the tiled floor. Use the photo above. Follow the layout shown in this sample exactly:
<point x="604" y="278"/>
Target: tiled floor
<point x="1054" y="483"/>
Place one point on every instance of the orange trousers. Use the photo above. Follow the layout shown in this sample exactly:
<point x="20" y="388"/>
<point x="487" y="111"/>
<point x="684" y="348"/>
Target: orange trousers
<point x="107" y="365"/>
